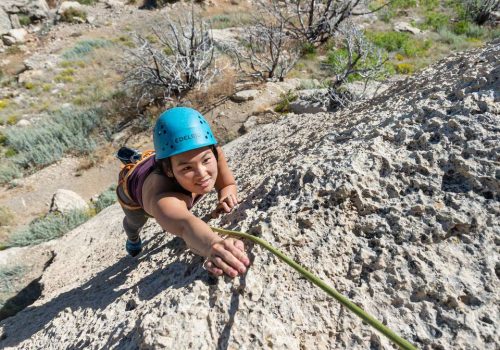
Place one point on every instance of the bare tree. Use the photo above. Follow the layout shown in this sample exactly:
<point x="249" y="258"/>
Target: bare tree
<point x="179" y="56"/>
<point x="267" y="50"/>
<point x="356" y="59"/>
<point x="315" y="21"/>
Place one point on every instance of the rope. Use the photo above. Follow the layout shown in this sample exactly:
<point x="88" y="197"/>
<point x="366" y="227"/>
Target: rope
<point x="402" y="343"/>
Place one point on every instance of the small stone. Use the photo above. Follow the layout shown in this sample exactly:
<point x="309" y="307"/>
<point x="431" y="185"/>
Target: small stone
<point x="406" y="27"/>
<point x="65" y="201"/>
<point x="245" y="95"/>
<point x="19" y="35"/>
<point x="23" y="123"/>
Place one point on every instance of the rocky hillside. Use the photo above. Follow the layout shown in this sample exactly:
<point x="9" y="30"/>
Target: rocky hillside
<point x="394" y="202"/>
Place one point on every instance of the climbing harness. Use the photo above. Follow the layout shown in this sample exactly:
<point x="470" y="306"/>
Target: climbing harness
<point x="372" y="321"/>
<point x="130" y="159"/>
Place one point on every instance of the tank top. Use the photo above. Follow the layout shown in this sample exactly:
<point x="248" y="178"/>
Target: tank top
<point x="139" y="174"/>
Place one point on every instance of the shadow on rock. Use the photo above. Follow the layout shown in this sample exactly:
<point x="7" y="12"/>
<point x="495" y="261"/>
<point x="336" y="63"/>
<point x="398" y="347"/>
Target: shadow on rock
<point x="101" y="291"/>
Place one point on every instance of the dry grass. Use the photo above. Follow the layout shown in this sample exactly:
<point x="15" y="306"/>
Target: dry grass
<point x="223" y="87"/>
<point x="102" y="154"/>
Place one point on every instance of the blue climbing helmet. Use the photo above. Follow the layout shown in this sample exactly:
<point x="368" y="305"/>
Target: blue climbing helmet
<point x="179" y="130"/>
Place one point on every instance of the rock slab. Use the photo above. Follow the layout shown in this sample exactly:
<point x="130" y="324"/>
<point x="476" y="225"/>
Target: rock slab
<point x="394" y="202"/>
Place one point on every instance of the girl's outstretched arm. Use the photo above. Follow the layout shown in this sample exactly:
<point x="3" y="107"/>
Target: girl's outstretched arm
<point x="224" y="255"/>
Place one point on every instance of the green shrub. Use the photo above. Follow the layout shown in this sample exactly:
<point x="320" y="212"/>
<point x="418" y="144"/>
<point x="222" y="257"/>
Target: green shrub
<point x="429" y="4"/>
<point x="50" y="226"/>
<point x="10" y="153"/>
<point x="403" y="4"/>
<point x="105" y="199"/>
<point x="475" y="31"/>
<point x="390" y="41"/>
<point x="416" y="48"/>
<point x="461" y="27"/>
<point x="24" y="20"/>
<point x="54" y="225"/>
<point x="6" y="216"/>
<point x="9" y="275"/>
<point x="229" y="20"/>
<point x="3" y="104"/>
<point x="435" y="20"/>
<point x="3" y="139"/>
<point x="125" y="40"/>
<point x="12" y="120"/>
<point x="66" y="76"/>
<point x="399" y="42"/>
<point x="46" y="87"/>
<point x="9" y="171"/>
<point x="72" y="63"/>
<point x="404" y="68"/>
<point x="221" y="21"/>
<point x="308" y="50"/>
<point x="494" y="33"/>
<point x="85" y="47"/>
<point x="67" y="130"/>
<point x="448" y="37"/>
<point x="28" y="85"/>
<point x="73" y="15"/>
<point x="283" y="105"/>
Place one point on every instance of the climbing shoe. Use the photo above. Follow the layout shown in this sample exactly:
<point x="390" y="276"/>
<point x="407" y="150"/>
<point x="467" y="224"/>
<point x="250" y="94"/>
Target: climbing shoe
<point x="133" y="248"/>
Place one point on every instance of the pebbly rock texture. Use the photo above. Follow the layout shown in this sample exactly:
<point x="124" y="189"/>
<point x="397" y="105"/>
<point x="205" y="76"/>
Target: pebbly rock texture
<point x="394" y="202"/>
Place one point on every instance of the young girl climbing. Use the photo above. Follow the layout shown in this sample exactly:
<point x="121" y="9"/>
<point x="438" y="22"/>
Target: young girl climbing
<point x="166" y="184"/>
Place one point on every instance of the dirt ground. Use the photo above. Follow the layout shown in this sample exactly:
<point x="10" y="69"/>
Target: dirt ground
<point x="32" y="195"/>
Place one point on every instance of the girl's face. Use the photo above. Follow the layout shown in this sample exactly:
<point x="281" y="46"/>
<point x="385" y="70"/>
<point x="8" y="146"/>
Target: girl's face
<point x="195" y="170"/>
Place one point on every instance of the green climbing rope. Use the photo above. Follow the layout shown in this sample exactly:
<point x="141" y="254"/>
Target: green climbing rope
<point x="402" y="343"/>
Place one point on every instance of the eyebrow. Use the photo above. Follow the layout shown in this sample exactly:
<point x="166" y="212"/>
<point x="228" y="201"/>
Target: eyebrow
<point x="203" y="156"/>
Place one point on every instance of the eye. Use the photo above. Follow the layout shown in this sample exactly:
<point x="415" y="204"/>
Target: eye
<point x="206" y="160"/>
<point x="186" y="168"/>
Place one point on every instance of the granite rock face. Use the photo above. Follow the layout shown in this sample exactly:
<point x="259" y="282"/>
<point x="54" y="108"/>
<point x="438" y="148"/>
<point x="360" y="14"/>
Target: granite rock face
<point x="394" y="202"/>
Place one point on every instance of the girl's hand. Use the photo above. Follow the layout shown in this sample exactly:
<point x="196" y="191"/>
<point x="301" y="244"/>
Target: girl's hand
<point x="227" y="256"/>
<point x="225" y="205"/>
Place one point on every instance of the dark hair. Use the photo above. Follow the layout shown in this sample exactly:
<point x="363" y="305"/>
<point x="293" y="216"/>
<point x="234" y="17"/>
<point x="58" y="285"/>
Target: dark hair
<point x="166" y="163"/>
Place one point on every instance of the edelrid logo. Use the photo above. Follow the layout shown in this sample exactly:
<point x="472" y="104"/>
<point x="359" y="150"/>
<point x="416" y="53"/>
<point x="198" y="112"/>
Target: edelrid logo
<point x="187" y="137"/>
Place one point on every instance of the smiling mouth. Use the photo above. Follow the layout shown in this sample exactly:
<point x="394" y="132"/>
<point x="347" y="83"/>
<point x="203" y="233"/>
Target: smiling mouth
<point x="204" y="183"/>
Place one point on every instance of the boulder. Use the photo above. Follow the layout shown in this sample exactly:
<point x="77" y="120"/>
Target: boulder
<point x="113" y="3"/>
<point x="310" y="101"/>
<point x="19" y="35"/>
<point x="14" y="21"/>
<point x="65" y="201"/>
<point x="406" y="27"/>
<point x="43" y="62"/>
<point x="245" y="95"/>
<point x="5" y="24"/>
<point x="65" y="6"/>
<point x="29" y="76"/>
<point x="8" y="40"/>
<point x="23" y="123"/>
<point x="35" y="9"/>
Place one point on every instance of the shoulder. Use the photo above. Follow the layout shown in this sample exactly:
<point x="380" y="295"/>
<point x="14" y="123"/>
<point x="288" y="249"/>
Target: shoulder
<point x="160" y="190"/>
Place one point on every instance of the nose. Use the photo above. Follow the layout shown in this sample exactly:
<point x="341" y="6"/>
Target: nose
<point x="201" y="171"/>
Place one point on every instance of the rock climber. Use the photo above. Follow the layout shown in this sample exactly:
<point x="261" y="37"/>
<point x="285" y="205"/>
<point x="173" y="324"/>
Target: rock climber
<point x="166" y="183"/>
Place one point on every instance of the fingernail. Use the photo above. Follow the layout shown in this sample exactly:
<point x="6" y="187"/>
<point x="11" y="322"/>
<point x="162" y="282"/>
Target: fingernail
<point x="242" y="269"/>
